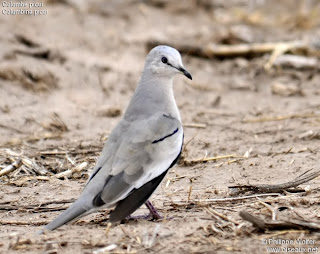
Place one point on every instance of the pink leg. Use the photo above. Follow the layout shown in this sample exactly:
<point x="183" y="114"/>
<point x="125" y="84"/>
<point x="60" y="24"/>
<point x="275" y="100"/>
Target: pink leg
<point x="153" y="211"/>
<point x="153" y="215"/>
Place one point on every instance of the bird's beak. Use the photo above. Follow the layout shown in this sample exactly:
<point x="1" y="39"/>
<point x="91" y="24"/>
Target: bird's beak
<point x="185" y="72"/>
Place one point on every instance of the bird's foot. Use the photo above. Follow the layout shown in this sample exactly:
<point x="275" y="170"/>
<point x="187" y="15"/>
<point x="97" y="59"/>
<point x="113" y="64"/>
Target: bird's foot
<point x="153" y="215"/>
<point x="144" y="217"/>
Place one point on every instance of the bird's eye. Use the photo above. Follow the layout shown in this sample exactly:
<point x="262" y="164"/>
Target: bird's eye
<point x="164" y="59"/>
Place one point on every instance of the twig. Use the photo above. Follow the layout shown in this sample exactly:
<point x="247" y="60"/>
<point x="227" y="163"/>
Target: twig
<point x="279" y="50"/>
<point x="37" y="207"/>
<point x="69" y="172"/>
<point x="279" y="118"/>
<point x="270" y="208"/>
<point x="106" y="249"/>
<point x="33" y="209"/>
<point x="279" y="187"/>
<point x="206" y="159"/>
<point x="297" y="62"/>
<point x="108" y="228"/>
<point x="216" y="50"/>
<point x="215" y="229"/>
<point x="75" y="152"/>
<point x="64" y="201"/>
<point x="34" y="52"/>
<point x="218" y="158"/>
<point x="17" y="164"/>
<point x="27" y="223"/>
<point x="235" y="160"/>
<point x="189" y="193"/>
<point x="236" y="198"/>
<point x="222" y="216"/>
<point x="29" y="163"/>
<point x="282" y="232"/>
<point x="206" y="202"/>
<point x="34" y="166"/>
<point x="195" y="125"/>
<point x="278" y="225"/>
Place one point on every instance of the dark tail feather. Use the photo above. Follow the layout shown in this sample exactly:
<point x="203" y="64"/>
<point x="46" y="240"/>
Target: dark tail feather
<point x="138" y="196"/>
<point x="135" y="199"/>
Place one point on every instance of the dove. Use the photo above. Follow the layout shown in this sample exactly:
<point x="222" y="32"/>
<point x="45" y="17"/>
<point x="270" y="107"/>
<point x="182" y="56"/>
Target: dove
<point x="140" y="150"/>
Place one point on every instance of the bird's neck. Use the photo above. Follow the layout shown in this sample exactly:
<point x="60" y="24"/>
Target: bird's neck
<point x="153" y="94"/>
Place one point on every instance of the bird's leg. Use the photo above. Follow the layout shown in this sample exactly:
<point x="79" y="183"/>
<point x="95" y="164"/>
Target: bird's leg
<point x="153" y="215"/>
<point x="153" y="211"/>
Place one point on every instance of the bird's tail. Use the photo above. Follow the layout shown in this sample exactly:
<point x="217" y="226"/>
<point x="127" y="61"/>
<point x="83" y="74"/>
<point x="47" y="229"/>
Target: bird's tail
<point x="75" y="211"/>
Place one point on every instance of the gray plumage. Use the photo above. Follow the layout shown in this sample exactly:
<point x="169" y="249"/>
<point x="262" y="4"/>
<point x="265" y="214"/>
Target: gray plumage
<point x="140" y="149"/>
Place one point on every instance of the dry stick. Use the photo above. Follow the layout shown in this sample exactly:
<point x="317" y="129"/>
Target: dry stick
<point x="215" y="50"/>
<point x="279" y="118"/>
<point x="189" y="194"/>
<point x="278" y="50"/>
<point x="17" y="164"/>
<point x="64" y="201"/>
<point x="279" y="187"/>
<point x="69" y="172"/>
<point x="270" y="208"/>
<point x="218" y="200"/>
<point x="29" y="163"/>
<point x="297" y="62"/>
<point x="254" y="48"/>
<point x="278" y="225"/>
<point x="222" y="216"/>
<point x="33" y="209"/>
<point x="84" y="151"/>
<point x="215" y="229"/>
<point x="206" y="159"/>
<point x="6" y="206"/>
<point x="106" y="249"/>
<point x="27" y="223"/>
<point x="34" y="166"/>
<point x="9" y="152"/>
<point x="108" y="228"/>
<point x="34" y="52"/>
<point x="217" y="218"/>
<point x="219" y="157"/>
<point x="282" y="232"/>
<point x="215" y="200"/>
<point x="195" y="125"/>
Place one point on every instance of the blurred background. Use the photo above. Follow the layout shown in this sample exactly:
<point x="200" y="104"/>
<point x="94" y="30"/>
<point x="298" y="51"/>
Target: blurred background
<point x="81" y="60"/>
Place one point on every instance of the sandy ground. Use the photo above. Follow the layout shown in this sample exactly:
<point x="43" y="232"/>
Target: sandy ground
<point x="66" y="78"/>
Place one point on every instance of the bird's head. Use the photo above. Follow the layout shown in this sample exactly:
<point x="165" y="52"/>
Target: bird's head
<point x="165" y="61"/>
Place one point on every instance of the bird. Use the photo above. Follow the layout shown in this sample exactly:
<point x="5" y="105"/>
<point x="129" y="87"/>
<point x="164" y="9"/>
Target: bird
<point x="140" y="150"/>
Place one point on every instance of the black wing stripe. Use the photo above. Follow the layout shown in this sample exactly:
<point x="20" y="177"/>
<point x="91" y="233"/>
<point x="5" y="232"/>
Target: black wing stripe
<point x="161" y="139"/>
<point x="94" y="174"/>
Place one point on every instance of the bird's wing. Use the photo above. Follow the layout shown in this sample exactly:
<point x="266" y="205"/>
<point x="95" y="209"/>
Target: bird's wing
<point x="147" y="149"/>
<point x="132" y="164"/>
